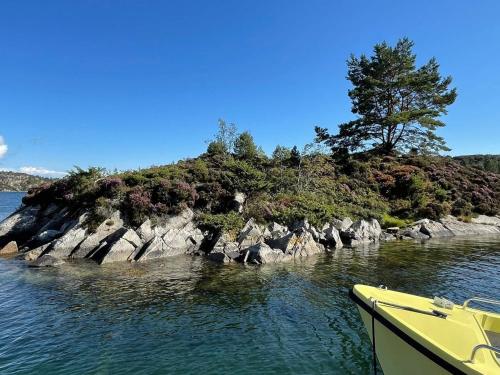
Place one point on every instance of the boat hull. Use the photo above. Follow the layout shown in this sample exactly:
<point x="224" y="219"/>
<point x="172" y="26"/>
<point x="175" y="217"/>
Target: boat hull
<point x="396" y="356"/>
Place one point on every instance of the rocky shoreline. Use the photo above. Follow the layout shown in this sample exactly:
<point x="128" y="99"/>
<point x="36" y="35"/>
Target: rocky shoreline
<point x="51" y="235"/>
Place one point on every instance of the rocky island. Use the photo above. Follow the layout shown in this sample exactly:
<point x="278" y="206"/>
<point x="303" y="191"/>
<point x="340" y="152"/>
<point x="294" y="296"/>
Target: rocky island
<point x="242" y="206"/>
<point x="380" y="178"/>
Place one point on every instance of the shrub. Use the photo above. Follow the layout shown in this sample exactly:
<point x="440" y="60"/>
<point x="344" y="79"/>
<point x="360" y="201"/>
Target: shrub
<point x="389" y="221"/>
<point x="230" y="222"/>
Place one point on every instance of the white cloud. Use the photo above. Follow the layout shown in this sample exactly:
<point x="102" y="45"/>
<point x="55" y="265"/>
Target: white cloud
<point x="39" y="171"/>
<point x="3" y="147"/>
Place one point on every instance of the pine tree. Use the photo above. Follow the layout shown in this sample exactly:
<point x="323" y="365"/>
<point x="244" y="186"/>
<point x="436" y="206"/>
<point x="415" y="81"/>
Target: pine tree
<point x="398" y="105"/>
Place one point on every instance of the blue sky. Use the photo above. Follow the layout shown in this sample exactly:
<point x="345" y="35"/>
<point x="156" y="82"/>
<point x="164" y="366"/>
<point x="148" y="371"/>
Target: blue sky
<point x="126" y="84"/>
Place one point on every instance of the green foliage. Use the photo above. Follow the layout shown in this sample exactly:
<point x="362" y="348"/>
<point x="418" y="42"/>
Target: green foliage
<point x="216" y="148"/>
<point x="389" y="221"/>
<point x="243" y="176"/>
<point x="488" y="163"/>
<point x="245" y="147"/>
<point x="230" y="222"/>
<point x="398" y="105"/>
<point x="223" y="142"/>
<point x="293" y="185"/>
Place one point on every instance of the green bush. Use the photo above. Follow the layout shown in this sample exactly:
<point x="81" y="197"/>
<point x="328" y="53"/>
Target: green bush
<point x="389" y="221"/>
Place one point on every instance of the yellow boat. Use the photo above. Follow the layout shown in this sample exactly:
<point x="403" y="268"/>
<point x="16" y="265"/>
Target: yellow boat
<point x="413" y="335"/>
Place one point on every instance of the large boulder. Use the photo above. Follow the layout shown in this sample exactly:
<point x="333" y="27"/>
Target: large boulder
<point x="342" y="225"/>
<point x="105" y="230"/>
<point x="304" y="225"/>
<point x="362" y="232"/>
<point x="176" y="241"/>
<point x="250" y="235"/>
<point x="413" y="233"/>
<point x="263" y="254"/>
<point x="10" y="248"/>
<point x="487" y="220"/>
<point x="299" y="244"/>
<point x="64" y="246"/>
<point x="21" y="223"/>
<point x="332" y="236"/>
<point x="121" y="248"/>
<point x="47" y="261"/>
<point x="225" y="250"/>
<point x="434" y="229"/>
<point x="460" y="228"/>
<point x="145" y="231"/>
<point x="278" y="230"/>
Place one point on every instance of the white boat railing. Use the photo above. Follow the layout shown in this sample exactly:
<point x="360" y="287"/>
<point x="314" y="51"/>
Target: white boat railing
<point x="483" y="347"/>
<point x="480" y="300"/>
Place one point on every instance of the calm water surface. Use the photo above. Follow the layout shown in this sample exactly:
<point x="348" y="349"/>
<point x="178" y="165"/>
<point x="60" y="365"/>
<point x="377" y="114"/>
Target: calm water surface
<point x="188" y="316"/>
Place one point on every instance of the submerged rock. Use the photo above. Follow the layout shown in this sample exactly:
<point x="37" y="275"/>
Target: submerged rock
<point x="47" y="261"/>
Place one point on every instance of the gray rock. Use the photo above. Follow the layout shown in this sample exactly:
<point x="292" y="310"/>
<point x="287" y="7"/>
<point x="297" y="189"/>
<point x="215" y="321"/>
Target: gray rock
<point x="64" y="246"/>
<point x="263" y="254"/>
<point x="47" y="235"/>
<point x="122" y="248"/>
<point x="35" y="253"/>
<point x="299" y="244"/>
<point x="487" y="220"/>
<point x="392" y="230"/>
<point x="277" y="230"/>
<point x="47" y="261"/>
<point x="304" y="225"/>
<point x="459" y="228"/>
<point x="362" y="232"/>
<point x="435" y="229"/>
<point x="23" y="221"/>
<point x="250" y="235"/>
<point x="51" y="209"/>
<point x="414" y="233"/>
<point x="174" y="222"/>
<point x="332" y="236"/>
<point x="225" y="250"/>
<point x="387" y="237"/>
<point x="239" y="202"/>
<point x="59" y="221"/>
<point x="175" y="241"/>
<point x="145" y="231"/>
<point x="342" y="225"/>
<point x="10" y="248"/>
<point x="106" y="229"/>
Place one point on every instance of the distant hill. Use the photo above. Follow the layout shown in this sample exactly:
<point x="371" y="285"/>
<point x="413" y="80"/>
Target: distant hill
<point x="14" y="181"/>
<point x="489" y="163"/>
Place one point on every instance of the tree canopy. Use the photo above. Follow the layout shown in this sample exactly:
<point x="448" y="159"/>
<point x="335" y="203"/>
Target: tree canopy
<point x="398" y="105"/>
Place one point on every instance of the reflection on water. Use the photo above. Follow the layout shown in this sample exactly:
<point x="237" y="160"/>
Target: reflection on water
<point x="185" y="315"/>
